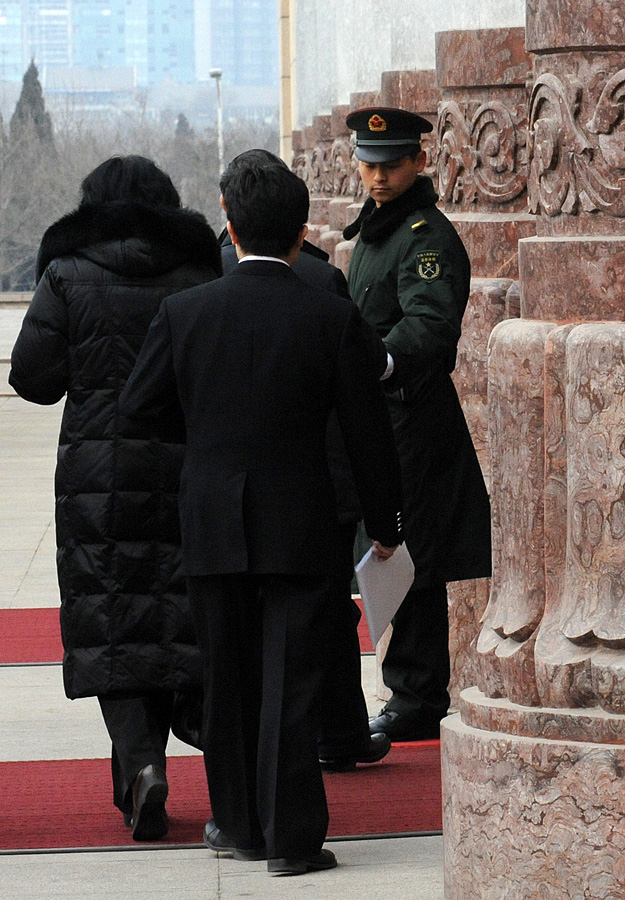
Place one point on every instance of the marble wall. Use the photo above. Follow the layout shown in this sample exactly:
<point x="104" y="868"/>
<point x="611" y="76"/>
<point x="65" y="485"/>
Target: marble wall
<point x="342" y="46"/>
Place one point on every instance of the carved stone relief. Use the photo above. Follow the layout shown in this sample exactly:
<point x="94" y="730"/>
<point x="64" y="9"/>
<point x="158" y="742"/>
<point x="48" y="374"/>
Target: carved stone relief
<point x="516" y="436"/>
<point x="481" y="159"/>
<point x="341" y="167"/>
<point x="330" y="169"/>
<point x="577" y="165"/>
<point x="300" y="167"/>
<point x="579" y="652"/>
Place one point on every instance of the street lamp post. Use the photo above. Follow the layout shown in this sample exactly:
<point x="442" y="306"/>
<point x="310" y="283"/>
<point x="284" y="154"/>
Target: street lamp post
<point x="216" y="74"/>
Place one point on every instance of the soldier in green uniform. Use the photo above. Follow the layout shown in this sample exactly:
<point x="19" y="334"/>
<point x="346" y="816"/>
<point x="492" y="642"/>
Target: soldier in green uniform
<point x="409" y="275"/>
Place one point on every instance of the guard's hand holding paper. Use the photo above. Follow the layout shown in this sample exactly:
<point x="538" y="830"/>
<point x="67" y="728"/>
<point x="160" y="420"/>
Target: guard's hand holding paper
<point x="383" y="588"/>
<point x="382" y="553"/>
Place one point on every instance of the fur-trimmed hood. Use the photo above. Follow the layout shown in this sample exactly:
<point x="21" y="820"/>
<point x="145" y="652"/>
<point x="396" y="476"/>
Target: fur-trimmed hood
<point x="172" y="235"/>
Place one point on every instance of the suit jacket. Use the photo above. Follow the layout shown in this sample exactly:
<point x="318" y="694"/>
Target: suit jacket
<point x="311" y="266"/>
<point x="257" y="359"/>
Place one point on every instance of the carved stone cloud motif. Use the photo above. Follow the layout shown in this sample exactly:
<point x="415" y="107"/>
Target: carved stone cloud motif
<point x="577" y="165"/>
<point x="482" y="159"/>
<point x="579" y="659"/>
<point x="330" y="170"/>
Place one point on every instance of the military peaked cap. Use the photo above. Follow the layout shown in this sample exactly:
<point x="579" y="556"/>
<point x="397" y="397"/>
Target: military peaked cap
<point x="384" y="133"/>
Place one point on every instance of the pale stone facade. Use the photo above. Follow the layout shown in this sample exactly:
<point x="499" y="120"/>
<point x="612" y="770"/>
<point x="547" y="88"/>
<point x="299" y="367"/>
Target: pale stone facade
<point x="342" y="46"/>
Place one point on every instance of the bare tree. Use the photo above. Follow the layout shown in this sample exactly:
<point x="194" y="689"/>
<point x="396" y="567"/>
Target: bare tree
<point x="43" y="162"/>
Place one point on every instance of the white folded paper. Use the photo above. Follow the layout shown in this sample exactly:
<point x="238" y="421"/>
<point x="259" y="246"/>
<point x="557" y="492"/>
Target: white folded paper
<point x="383" y="586"/>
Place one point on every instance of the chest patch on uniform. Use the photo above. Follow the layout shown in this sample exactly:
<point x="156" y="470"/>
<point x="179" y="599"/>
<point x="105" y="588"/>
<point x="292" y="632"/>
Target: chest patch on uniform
<point x="429" y="265"/>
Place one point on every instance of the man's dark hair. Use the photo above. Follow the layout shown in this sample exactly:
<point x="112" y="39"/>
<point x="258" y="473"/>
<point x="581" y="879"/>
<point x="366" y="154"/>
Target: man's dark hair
<point x="255" y="157"/>
<point x="268" y="207"/>
<point x="130" y="179"/>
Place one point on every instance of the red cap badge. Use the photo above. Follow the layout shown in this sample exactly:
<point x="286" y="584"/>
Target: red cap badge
<point x="377" y="123"/>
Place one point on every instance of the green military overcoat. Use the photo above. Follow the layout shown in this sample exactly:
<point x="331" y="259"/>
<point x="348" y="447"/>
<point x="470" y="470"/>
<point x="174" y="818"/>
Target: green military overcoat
<point x="409" y="275"/>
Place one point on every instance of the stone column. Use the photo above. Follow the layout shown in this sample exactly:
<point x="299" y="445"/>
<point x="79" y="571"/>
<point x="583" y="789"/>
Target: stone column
<point x="534" y="763"/>
<point x="481" y="177"/>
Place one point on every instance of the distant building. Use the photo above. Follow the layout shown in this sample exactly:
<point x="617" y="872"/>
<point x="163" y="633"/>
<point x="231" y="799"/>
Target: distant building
<point x="96" y="54"/>
<point x="244" y="40"/>
<point x="92" y="90"/>
<point x="33" y="29"/>
<point x="99" y="35"/>
<point x="164" y="40"/>
<point x="12" y="65"/>
<point x="47" y="31"/>
<point x="154" y="36"/>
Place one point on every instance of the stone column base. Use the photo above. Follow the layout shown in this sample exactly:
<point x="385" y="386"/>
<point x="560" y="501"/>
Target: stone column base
<point x="531" y="817"/>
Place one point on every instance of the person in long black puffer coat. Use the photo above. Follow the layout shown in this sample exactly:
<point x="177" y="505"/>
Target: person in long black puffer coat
<point x="127" y="630"/>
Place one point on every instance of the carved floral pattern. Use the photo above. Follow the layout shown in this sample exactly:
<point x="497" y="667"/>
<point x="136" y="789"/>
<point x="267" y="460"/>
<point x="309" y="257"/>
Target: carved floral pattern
<point x="482" y="159"/>
<point x="608" y="116"/>
<point x="569" y="171"/>
<point x="331" y="170"/>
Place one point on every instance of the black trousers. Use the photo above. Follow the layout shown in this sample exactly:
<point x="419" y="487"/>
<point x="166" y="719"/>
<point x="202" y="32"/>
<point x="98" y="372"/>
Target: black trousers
<point x="343" y="716"/>
<point x="263" y="640"/>
<point x="139" y="729"/>
<point x="416" y="665"/>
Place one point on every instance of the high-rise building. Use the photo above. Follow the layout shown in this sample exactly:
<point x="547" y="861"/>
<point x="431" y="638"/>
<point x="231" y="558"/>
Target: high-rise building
<point x="98" y="33"/>
<point x="153" y="36"/>
<point x="244" y="41"/>
<point x="170" y="41"/>
<point x="47" y="31"/>
<point x="12" y="65"/>
<point x="159" y="42"/>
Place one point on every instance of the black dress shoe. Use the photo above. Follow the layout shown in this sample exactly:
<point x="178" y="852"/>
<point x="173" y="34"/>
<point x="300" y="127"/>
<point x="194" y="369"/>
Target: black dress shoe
<point x="149" y="792"/>
<point x="379" y="745"/>
<point x="323" y="860"/>
<point x="216" y="840"/>
<point x="406" y="727"/>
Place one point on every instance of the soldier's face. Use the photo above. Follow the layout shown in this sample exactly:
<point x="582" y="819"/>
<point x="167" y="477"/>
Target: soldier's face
<point x="389" y="180"/>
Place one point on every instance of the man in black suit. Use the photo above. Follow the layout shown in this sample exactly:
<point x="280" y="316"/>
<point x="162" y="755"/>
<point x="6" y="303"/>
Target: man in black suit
<point x="344" y="739"/>
<point x="256" y="360"/>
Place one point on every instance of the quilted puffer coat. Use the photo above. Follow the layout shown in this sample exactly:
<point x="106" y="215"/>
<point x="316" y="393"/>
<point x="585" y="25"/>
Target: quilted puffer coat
<point x="103" y="272"/>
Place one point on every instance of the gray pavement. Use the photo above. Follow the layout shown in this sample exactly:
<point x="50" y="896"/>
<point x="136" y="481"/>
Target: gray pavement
<point x="38" y="722"/>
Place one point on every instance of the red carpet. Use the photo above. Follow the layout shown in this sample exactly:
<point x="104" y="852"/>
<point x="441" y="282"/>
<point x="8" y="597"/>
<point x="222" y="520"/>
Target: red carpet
<point x="30" y="636"/>
<point x="363" y="631"/>
<point x="67" y="803"/>
<point x="34" y="636"/>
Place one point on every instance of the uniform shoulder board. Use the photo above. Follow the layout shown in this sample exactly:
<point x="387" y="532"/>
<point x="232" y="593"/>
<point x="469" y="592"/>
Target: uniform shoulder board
<point x="418" y="223"/>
